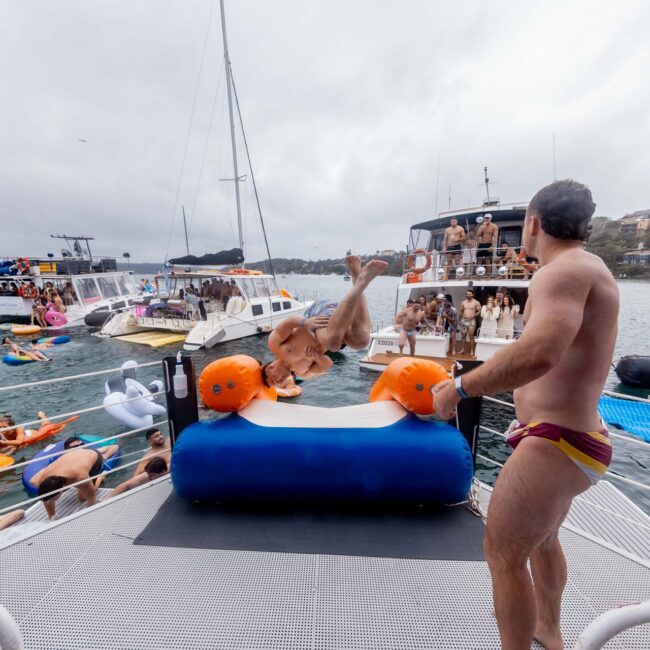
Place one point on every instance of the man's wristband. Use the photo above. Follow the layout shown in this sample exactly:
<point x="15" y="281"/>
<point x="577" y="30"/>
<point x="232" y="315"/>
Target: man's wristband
<point x="459" y="388"/>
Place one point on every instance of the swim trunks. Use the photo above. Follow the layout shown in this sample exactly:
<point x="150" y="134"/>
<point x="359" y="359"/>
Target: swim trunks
<point x="409" y="332"/>
<point x="467" y="323"/>
<point x="482" y="250"/>
<point x="324" y="307"/>
<point x="591" y="451"/>
<point x="96" y="469"/>
<point x="454" y="249"/>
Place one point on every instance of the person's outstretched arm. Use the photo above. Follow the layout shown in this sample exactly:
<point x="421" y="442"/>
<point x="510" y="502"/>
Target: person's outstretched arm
<point x="320" y="364"/>
<point x="282" y="332"/>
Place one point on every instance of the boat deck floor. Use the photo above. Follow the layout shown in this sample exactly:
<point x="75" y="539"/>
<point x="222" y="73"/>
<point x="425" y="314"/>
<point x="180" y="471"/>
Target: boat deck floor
<point x="85" y="584"/>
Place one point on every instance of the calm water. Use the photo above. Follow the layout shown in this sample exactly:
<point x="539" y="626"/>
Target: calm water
<point x="345" y="384"/>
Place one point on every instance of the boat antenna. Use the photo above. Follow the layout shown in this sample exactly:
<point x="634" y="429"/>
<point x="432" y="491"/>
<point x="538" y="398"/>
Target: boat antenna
<point x="486" y="182"/>
<point x="187" y="243"/>
<point x="250" y="167"/>
<point x="449" y="199"/>
<point x="236" y="178"/>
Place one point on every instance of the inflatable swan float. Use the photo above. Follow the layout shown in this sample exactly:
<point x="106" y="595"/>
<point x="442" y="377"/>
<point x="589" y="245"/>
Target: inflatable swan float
<point x="124" y="387"/>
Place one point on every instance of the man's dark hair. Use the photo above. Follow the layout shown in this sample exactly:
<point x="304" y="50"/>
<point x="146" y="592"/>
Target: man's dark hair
<point x="410" y="301"/>
<point x="50" y="484"/>
<point x="565" y="209"/>
<point x="72" y="439"/>
<point x="265" y="378"/>
<point x="156" y="465"/>
<point x="149" y="432"/>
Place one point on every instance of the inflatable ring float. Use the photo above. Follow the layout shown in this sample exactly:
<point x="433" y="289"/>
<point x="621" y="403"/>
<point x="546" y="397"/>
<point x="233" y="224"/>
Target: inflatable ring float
<point x="55" y="318"/>
<point x="410" y="261"/>
<point x="6" y="461"/>
<point x="25" y="330"/>
<point x="54" y="340"/>
<point x="292" y="391"/>
<point x="47" y="431"/>
<point x="16" y="360"/>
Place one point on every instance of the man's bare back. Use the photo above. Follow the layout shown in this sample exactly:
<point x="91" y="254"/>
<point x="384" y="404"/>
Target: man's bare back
<point x="568" y="394"/>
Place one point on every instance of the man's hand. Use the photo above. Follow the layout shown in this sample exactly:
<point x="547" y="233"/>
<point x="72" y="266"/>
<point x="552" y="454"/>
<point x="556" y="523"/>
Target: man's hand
<point x="316" y="323"/>
<point x="445" y="399"/>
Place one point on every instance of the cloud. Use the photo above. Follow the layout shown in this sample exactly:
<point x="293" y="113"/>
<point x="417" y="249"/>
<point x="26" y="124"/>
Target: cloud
<point x="348" y="107"/>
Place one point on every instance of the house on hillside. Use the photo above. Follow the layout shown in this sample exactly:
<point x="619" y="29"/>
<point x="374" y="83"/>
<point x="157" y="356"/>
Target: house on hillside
<point x="639" y="256"/>
<point x="635" y="225"/>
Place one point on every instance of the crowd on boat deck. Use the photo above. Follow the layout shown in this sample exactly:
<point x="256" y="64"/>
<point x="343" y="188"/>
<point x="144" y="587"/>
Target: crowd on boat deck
<point x="43" y="299"/>
<point x="479" y="248"/>
<point x="437" y="314"/>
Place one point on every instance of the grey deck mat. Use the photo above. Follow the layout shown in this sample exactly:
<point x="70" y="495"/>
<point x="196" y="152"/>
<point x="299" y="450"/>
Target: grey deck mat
<point x="451" y="533"/>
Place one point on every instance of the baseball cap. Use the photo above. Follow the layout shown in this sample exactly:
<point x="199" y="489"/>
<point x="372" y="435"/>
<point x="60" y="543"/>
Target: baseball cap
<point x="440" y="296"/>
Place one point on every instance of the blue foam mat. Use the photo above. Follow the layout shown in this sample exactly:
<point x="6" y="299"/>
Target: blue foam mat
<point x="633" y="417"/>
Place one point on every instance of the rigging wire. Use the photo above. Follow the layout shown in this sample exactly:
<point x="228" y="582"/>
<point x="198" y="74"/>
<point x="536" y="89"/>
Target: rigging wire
<point x="250" y="168"/>
<point x="189" y="131"/>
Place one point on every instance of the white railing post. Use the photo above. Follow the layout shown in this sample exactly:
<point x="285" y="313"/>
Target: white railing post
<point x="611" y="623"/>
<point x="10" y="636"/>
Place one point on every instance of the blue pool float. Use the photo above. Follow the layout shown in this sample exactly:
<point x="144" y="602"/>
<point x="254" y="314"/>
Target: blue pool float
<point x="41" y="463"/>
<point x="55" y="340"/>
<point x="16" y="359"/>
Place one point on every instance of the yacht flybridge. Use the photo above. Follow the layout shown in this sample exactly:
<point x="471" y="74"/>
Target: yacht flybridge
<point x="85" y="282"/>
<point x="431" y="270"/>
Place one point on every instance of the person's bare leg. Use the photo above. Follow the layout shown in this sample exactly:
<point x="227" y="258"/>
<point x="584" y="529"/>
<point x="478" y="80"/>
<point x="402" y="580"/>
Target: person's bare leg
<point x="411" y="340"/>
<point x="472" y="340"/>
<point x="11" y="518"/>
<point x="524" y="493"/>
<point x="359" y="328"/>
<point x="333" y="335"/>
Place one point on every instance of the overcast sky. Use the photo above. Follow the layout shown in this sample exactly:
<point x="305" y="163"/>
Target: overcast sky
<point x="348" y="106"/>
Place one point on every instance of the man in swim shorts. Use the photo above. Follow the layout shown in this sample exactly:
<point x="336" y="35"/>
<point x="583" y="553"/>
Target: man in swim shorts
<point x="158" y="447"/>
<point x="487" y="240"/>
<point x="73" y="466"/>
<point x="451" y="244"/>
<point x="558" y="367"/>
<point x="470" y="308"/>
<point x="405" y="322"/>
<point x="300" y="344"/>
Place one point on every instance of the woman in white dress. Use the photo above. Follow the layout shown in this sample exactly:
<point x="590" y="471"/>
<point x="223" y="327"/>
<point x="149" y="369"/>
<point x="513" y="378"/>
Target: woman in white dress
<point x="506" y="319"/>
<point x="490" y="315"/>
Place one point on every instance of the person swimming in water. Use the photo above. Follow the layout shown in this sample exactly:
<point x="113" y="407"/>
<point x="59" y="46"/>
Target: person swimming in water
<point x="300" y="344"/>
<point x="14" y="348"/>
<point x="15" y="437"/>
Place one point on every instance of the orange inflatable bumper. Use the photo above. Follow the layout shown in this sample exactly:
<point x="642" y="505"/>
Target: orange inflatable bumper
<point x="409" y="381"/>
<point x="229" y="384"/>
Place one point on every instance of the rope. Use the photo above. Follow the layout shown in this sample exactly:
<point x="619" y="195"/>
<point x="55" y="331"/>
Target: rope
<point x="611" y="393"/>
<point x="56" y="380"/>
<point x="66" y="487"/>
<point x="58" y="453"/>
<point x="90" y="409"/>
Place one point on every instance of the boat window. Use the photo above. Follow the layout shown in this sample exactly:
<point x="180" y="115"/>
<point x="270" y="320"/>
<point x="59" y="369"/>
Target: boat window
<point x="420" y="239"/>
<point x="258" y="310"/>
<point x="87" y="290"/>
<point x="108" y="286"/>
<point x="511" y="235"/>
<point x="286" y="305"/>
<point x="276" y="306"/>
<point x="125" y="284"/>
<point x="436" y="241"/>
<point x="261" y="287"/>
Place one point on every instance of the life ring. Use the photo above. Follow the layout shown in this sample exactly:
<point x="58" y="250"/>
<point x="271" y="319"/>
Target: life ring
<point x="28" y="291"/>
<point x="55" y="318"/>
<point x="25" y="330"/>
<point x="292" y="391"/>
<point x="285" y="294"/>
<point x="23" y="265"/>
<point x="410" y="261"/>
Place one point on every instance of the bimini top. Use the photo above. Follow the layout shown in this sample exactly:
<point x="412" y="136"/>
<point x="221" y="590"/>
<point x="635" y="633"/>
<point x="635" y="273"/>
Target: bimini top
<point x="500" y="212"/>
<point x="233" y="256"/>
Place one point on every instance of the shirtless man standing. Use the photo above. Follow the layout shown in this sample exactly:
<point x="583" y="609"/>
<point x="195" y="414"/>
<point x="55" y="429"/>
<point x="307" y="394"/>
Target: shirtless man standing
<point x="300" y="344"/>
<point x="407" y="320"/>
<point x="487" y="240"/>
<point x="73" y="466"/>
<point x="451" y="244"/>
<point x="470" y="308"/>
<point x="558" y="368"/>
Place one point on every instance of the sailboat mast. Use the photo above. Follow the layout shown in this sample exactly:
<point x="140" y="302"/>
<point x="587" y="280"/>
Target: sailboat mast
<point x="226" y="59"/>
